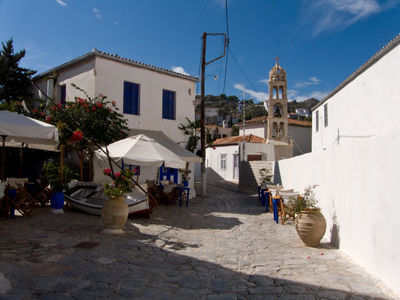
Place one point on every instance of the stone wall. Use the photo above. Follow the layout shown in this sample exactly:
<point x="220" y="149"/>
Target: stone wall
<point x="248" y="173"/>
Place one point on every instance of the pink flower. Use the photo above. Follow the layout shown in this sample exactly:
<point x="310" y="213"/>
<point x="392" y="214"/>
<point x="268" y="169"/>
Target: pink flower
<point x="34" y="110"/>
<point x="99" y="104"/>
<point x="94" y="108"/>
<point x="117" y="174"/>
<point x="107" y="171"/>
<point x="113" y="103"/>
<point x="59" y="105"/>
<point x="48" y="119"/>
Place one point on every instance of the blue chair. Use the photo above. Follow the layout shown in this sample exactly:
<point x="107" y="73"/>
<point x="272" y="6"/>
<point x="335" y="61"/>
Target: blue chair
<point x="267" y="200"/>
<point x="183" y="191"/>
<point x="276" y="200"/>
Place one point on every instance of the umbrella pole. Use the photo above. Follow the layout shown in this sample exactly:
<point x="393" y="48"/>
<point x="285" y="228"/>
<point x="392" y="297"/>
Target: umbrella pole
<point x="21" y="156"/>
<point x="3" y="156"/>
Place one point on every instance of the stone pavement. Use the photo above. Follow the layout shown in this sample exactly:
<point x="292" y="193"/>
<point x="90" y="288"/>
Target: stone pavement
<point x="222" y="247"/>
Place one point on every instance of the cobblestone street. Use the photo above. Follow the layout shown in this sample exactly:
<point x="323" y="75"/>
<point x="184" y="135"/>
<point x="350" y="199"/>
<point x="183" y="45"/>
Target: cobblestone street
<point x="222" y="247"/>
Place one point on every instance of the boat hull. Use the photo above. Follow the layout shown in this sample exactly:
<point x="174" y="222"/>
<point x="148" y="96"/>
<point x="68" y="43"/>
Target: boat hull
<point x="88" y="197"/>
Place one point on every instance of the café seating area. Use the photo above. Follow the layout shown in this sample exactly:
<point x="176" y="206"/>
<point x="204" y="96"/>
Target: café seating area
<point x="276" y="199"/>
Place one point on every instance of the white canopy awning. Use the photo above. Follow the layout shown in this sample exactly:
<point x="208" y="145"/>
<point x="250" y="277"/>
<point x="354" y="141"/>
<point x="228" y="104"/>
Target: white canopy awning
<point x="143" y="151"/>
<point x="20" y="129"/>
<point x="168" y="143"/>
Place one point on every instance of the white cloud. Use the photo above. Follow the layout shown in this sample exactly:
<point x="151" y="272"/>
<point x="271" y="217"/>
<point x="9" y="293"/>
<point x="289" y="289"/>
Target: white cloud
<point x="311" y="81"/>
<point x="327" y="15"/>
<point x="179" y="70"/>
<point x="263" y="81"/>
<point x="61" y="3"/>
<point x="295" y="95"/>
<point x="97" y="13"/>
<point x="259" y="96"/>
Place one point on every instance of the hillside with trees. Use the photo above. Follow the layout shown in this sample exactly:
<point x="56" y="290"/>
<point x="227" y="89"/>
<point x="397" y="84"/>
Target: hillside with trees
<point x="229" y="105"/>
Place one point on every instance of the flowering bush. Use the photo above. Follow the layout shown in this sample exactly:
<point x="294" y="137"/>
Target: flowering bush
<point x="121" y="184"/>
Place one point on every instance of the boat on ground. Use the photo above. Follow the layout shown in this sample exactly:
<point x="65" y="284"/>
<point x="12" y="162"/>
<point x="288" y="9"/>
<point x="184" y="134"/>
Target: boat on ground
<point x="89" y="197"/>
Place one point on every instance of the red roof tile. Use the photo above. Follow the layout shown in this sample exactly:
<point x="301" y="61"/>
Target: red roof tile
<point x="239" y="139"/>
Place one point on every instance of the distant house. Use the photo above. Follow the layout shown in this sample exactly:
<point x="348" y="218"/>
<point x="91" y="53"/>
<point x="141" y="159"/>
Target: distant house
<point x="222" y="159"/>
<point x="150" y="98"/>
<point x="303" y="113"/>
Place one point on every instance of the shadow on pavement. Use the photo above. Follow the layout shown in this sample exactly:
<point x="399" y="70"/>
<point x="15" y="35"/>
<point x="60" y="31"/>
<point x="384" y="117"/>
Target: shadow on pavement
<point x="38" y="258"/>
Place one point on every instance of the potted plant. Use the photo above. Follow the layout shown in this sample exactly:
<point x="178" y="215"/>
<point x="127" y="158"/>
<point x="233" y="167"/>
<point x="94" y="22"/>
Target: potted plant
<point x="264" y="176"/>
<point x="310" y="224"/>
<point x="51" y="177"/>
<point x="114" y="212"/>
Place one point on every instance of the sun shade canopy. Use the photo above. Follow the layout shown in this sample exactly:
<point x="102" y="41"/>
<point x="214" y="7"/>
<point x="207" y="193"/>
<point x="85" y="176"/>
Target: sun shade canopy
<point x="21" y="129"/>
<point x="143" y="151"/>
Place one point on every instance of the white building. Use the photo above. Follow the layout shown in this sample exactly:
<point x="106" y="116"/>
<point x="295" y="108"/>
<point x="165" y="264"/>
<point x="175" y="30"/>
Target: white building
<point x="222" y="160"/>
<point x="151" y="98"/>
<point x="355" y="161"/>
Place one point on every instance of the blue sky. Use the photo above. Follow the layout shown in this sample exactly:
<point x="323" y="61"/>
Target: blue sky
<point x="319" y="42"/>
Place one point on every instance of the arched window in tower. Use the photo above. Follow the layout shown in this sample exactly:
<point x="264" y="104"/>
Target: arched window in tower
<point x="281" y="129"/>
<point x="275" y="91"/>
<point x="274" y="129"/>
<point x="281" y="92"/>
<point x="277" y="110"/>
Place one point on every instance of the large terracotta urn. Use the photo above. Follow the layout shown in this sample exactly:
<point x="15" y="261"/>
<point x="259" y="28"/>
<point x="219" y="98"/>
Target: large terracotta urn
<point x="114" y="215"/>
<point x="310" y="226"/>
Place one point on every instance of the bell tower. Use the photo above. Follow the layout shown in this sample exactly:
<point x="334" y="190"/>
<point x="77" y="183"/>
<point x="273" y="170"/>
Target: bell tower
<point x="277" y="105"/>
<point x="277" y="121"/>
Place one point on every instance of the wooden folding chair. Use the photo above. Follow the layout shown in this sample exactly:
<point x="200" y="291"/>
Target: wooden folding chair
<point x="24" y="202"/>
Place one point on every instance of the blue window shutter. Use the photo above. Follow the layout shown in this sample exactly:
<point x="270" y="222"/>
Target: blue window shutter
<point x="135" y="99"/>
<point x="127" y="97"/>
<point x="165" y="105"/>
<point x="63" y="94"/>
<point x="168" y="105"/>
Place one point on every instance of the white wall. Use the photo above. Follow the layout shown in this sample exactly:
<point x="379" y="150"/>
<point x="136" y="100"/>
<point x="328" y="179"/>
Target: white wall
<point x="366" y="107"/>
<point x="355" y="161"/>
<point x="358" y="193"/>
<point x="301" y="137"/>
<point x="213" y="160"/>
<point x="110" y="77"/>
<point x="257" y="129"/>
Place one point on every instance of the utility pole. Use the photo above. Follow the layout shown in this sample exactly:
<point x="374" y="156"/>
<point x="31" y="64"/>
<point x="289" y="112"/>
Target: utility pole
<point x="202" y="113"/>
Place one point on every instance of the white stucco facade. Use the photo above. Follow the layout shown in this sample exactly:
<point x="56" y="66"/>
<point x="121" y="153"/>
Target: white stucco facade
<point x="101" y="73"/>
<point x="355" y="162"/>
<point x="233" y="154"/>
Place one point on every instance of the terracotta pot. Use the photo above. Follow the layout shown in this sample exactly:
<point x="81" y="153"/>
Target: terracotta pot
<point x="310" y="226"/>
<point x="114" y="214"/>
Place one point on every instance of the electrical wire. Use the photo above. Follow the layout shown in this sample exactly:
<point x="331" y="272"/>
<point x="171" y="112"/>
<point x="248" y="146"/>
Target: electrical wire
<point x="241" y="70"/>
<point x="227" y="44"/>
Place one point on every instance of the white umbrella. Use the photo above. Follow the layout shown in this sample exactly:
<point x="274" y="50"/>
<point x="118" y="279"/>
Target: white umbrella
<point x="17" y="129"/>
<point x="142" y="151"/>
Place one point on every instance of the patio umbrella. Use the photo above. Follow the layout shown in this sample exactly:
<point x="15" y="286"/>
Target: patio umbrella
<point x="142" y="151"/>
<point x="17" y="129"/>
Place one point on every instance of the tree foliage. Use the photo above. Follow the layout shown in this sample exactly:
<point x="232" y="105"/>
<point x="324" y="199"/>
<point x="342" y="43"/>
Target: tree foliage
<point x="15" y="82"/>
<point x="97" y="119"/>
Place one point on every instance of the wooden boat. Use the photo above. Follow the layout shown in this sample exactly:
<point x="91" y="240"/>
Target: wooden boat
<point x="89" y="197"/>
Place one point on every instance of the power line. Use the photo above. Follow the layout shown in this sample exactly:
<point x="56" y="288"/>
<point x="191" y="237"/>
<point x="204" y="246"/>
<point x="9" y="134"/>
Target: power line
<point x="241" y="70"/>
<point x="227" y="44"/>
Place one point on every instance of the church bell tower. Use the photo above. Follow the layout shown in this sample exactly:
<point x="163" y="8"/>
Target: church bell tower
<point x="277" y="105"/>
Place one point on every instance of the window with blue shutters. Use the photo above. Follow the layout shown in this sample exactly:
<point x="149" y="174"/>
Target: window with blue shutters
<point x="168" y="105"/>
<point x="131" y="98"/>
<point x="63" y="94"/>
